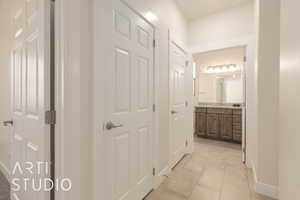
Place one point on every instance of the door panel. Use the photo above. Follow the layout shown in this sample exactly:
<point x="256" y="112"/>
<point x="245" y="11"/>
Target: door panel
<point x="201" y="124"/>
<point x="213" y="126"/>
<point x="30" y="94"/>
<point x="177" y="101"/>
<point x="226" y="127"/>
<point x="129" y="60"/>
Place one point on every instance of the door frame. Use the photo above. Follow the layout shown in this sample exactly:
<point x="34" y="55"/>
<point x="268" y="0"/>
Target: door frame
<point x="247" y="44"/>
<point x="173" y="41"/>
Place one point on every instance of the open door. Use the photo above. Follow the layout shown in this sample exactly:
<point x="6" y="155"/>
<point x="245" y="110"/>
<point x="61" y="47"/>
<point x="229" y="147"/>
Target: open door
<point x="30" y="99"/>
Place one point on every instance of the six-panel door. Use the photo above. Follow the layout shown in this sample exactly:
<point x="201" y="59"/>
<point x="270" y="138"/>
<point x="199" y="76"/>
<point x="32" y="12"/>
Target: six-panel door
<point x="128" y="67"/>
<point x="31" y="98"/>
<point x="177" y="101"/>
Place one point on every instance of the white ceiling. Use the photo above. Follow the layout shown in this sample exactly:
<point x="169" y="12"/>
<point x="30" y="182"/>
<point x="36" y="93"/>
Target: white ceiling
<point x="193" y="9"/>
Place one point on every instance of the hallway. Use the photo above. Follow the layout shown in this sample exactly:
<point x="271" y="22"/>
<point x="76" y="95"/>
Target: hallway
<point x="213" y="172"/>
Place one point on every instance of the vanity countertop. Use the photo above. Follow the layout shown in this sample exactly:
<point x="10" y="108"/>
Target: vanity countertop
<point x="217" y="106"/>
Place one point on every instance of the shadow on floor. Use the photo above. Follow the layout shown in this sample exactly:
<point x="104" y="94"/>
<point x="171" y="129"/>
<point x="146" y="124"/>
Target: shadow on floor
<point x="4" y="188"/>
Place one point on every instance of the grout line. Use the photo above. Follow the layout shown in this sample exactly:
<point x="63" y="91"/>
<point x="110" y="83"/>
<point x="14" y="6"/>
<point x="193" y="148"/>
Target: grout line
<point x="222" y="185"/>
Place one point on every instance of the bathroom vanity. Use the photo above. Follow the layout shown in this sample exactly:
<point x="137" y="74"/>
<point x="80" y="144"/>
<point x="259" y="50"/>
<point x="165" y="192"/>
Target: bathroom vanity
<point x="219" y="122"/>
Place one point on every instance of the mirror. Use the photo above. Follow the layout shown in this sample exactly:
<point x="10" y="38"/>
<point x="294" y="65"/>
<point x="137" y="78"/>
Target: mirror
<point x="219" y="76"/>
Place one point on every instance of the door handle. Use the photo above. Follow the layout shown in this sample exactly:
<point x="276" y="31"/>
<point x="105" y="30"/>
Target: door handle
<point x="173" y="112"/>
<point x="110" y="125"/>
<point x="7" y="123"/>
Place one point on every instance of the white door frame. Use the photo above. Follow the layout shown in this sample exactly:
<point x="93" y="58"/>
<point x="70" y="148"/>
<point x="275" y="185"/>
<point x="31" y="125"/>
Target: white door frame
<point x="246" y="43"/>
<point x="67" y="125"/>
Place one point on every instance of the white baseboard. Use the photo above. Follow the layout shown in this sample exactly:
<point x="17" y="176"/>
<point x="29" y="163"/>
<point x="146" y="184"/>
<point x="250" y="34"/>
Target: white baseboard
<point x="264" y="189"/>
<point x="163" y="174"/>
<point x="5" y="171"/>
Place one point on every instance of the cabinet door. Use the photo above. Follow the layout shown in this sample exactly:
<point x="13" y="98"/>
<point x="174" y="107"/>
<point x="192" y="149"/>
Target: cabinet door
<point x="226" y="127"/>
<point x="201" y="124"/>
<point x="213" y="126"/>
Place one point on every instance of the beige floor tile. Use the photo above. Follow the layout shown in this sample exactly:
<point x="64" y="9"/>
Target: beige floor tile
<point x="182" y="188"/>
<point x="204" y="193"/>
<point x="212" y="178"/>
<point x="213" y="172"/>
<point x="164" y="195"/>
<point x="235" y="192"/>
<point x="196" y="164"/>
<point x="182" y="174"/>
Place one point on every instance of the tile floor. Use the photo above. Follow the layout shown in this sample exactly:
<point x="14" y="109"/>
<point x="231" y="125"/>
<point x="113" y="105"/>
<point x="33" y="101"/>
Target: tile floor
<point x="213" y="172"/>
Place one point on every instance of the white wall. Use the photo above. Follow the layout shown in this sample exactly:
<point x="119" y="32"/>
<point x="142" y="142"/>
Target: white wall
<point x="268" y="51"/>
<point x="229" y="25"/>
<point x="5" y="69"/>
<point x="289" y="118"/>
<point x="74" y="97"/>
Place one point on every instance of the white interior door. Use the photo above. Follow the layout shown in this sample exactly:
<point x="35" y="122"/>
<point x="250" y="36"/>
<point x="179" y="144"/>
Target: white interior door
<point x="178" y="63"/>
<point x="128" y="129"/>
<point x="30" y="96"/>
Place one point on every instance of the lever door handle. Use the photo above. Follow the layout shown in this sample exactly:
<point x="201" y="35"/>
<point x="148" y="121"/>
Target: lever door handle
<point x="110" y="125"/>
<point x="173" y="112"/>
<point x="7" y="123"/>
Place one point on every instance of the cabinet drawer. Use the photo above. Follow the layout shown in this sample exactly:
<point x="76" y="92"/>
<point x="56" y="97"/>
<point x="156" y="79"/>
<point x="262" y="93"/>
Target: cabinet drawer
<point x="214" y="110"/>
<point x="227" y="111"/>
<point x="220" y="111"/>
<point x="201" y="110"/>
<point x="237" y="111"/>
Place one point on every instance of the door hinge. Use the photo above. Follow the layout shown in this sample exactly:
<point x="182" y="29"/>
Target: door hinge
<point x="244" y="150"/>
<point x="186" y="104"/>
<point x="187" y="63"/>
<point x="154" y="107"/>
<point x="186" y="143"/>
<point x="245" y="58"/>
<point x="154" y="171"/>
<point x="154" y="43"/>
<point x="50" y="117"/>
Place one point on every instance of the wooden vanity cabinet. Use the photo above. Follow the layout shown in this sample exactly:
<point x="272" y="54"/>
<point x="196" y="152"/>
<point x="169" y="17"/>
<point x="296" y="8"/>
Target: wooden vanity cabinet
<point x="219" y="123"/>
<point x="237" y="126"/>
<point x="226" y="127"/>
<point x="201" y="123"/>
<point x="213" y="126"/>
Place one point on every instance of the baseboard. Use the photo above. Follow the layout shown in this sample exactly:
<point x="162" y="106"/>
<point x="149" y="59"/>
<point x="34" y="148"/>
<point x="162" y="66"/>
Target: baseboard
<point x="5" y="171"/>
<point x="264" y="189"/>
<point x="163" y="174"/>
<point x="267" y="190"/>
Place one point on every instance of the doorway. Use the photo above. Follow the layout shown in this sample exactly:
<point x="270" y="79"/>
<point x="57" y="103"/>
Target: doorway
<point x="220" y="96"/>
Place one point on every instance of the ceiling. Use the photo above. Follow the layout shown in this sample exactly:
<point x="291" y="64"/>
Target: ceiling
<point x="193" y="9"/>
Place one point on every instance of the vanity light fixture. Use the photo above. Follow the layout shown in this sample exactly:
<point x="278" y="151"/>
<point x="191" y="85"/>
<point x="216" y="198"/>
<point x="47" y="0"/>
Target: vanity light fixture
<point x="222" y="68"/>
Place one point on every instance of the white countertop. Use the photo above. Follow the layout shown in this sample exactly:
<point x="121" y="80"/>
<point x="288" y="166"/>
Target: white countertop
<point x="217" y="106"/>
